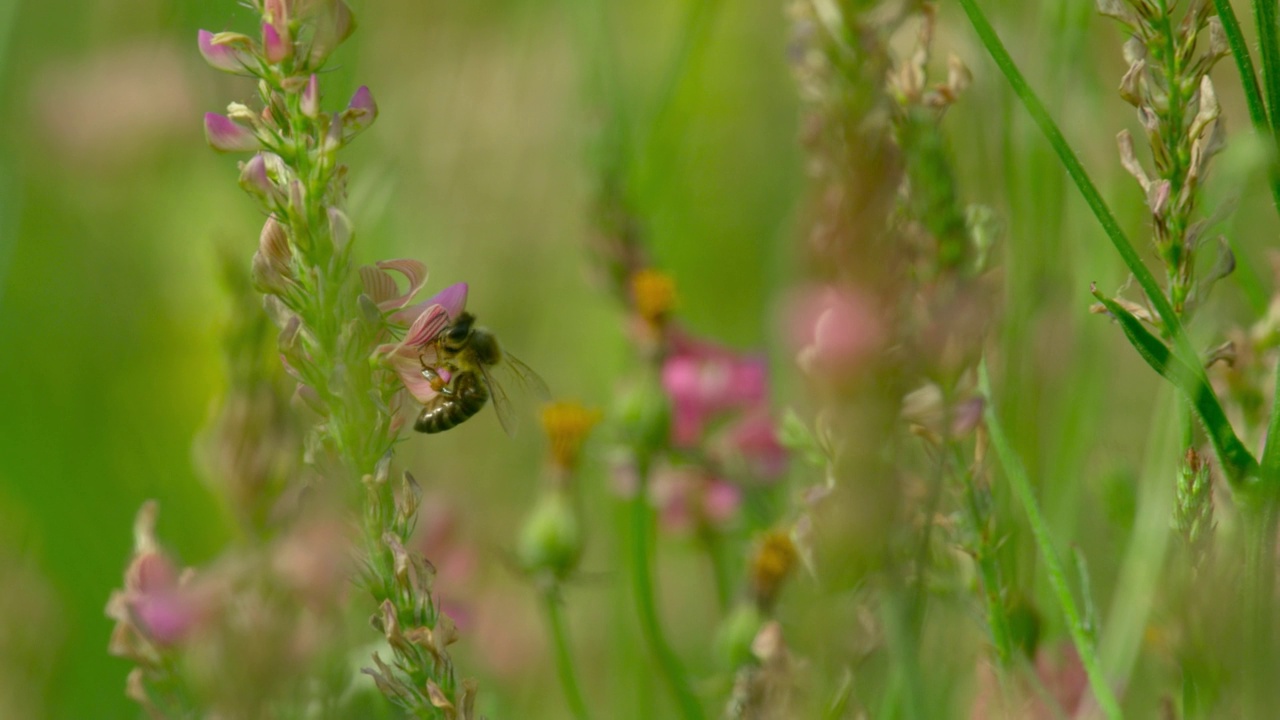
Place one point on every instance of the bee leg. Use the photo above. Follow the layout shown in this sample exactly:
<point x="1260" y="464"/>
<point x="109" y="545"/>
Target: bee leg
<point x="435" y="380"/>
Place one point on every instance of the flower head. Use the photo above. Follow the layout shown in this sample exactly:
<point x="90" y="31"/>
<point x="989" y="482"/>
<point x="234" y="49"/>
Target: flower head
<point x="426" y="320"/>
<point x="704" y="382"/>
<point x="567" y="425"/>
<point x="653" y="294"/>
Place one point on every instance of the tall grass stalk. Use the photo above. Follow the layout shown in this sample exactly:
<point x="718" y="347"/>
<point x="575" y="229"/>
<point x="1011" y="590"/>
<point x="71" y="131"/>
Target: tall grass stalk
<point x="1020" y="483"/>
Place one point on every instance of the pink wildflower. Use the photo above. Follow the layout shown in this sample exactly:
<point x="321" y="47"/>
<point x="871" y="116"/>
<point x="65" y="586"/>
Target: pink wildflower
<point x="225" y="135"/>
<point x="704" y="382"/>
<point x="688" y="497"/>
<point x="835" y="329"/>
<point x="425" y="320"/>
<point x="221" y="55"/>
<point x="751" y="443"/>
<point x="155" y="607"/>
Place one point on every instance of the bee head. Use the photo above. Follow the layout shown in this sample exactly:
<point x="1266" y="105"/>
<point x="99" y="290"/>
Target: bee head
<point x="455" y="337"/>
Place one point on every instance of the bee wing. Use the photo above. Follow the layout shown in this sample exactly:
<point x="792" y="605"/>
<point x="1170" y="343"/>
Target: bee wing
<point x="501" y="403"/>
<point x="527" y="378"/>
<point x="518" y="374"/>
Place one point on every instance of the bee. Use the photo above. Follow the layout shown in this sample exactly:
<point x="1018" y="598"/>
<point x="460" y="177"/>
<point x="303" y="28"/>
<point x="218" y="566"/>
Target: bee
<point x="462" y="376"/>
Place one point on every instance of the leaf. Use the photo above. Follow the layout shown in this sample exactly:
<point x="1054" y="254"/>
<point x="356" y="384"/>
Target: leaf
<point x="1236" y="460"/>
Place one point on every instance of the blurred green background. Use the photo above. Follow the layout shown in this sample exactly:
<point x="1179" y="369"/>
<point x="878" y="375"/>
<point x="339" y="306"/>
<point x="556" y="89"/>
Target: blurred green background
<point x="113" y="211"/>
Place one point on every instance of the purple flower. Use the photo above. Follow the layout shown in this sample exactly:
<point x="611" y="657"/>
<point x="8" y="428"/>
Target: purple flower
<point x="225" y="135"/>
<point x="360" y="112"/>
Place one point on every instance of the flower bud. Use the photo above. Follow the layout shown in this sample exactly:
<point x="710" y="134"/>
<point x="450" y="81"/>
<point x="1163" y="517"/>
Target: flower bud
<point x="551" y="541"/>
<point x="736" y="633"/>
<point x="653" y="295"/>
<point x="275" y="44"/>
<point x="272" y="268"/>
<point x="644" y="416"/>
<point x="227" y="136"/>
<point x="771" y="563"/>
<point x="360" y="112"/>
<point x="567" y="425"/>
<point x="339" y="228"/>
<point x="310" y="101"/>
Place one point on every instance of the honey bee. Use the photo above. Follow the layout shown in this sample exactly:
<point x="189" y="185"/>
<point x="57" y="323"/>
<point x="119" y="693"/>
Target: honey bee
<point x="467" y="355"/>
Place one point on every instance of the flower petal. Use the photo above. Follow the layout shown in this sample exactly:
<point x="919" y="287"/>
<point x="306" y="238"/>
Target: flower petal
<point x="413" y="271"/>
<point x="275" y="45"/>
<point x="310" y="101"/>
<point x="378" y="285"/>
<point x="226" y="136"/>
<point x="410" y="372"/>
<point x="429" y="324"/>
<point x="453" y="299"/>
<point x="221" y="56"/>
<point x="360" y="112"/>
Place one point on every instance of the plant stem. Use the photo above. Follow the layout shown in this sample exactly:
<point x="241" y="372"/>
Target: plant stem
<point x="988" y="570"/>
<point x="564" y="660"/>
<point x="1248" y="77"/>
<point x="1016" y="475"/>
<point x="1260" y="579"/>
<point x="1264" y="14"/>
<point x="642" y="587"/>
<point x="713" y="545"/>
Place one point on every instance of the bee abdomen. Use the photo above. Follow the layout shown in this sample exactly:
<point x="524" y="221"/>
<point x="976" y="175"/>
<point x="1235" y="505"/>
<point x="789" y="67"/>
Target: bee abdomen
<point x="443" y="412"/>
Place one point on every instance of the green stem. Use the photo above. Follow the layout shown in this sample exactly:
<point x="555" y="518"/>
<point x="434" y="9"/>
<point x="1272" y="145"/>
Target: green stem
<point x="1248" y="76"/>
<point x="642" y="586"/>
<point x="713" y="545"/>
<point x="1020" y="483"/>
<point x="564" y="661"/>
<point x="1260" y="578"/>
<point x="1264" y="13"/>
<point x="988" y="573"/>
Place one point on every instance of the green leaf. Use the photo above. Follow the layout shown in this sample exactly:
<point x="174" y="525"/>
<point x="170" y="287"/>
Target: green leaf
<point x="1237" y="462"/>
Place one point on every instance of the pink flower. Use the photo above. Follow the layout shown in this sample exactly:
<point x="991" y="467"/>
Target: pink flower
<point x="167" y="617"/>
<point x="275" y="44"/>
<point x="310" y="100"/>
<point x="751" y="444"/>
<point x="426" y="320"/>
<point x="360" y="112"/>
<point x="156" y="605"/>
<point x="689" y="497"/>
<point x="704" y="382"/>
<point x="225" y="135"/>
<point x="221" y="55"/>
<point x="835" y="329"/>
